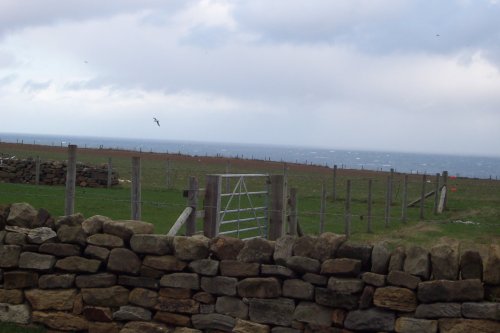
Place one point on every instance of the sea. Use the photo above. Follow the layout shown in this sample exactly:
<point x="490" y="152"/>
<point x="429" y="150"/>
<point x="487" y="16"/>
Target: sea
<point x="459" y="166"/>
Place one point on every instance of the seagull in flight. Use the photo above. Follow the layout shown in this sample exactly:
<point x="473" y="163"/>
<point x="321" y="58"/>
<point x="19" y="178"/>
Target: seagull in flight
<point x="156" y="121"/>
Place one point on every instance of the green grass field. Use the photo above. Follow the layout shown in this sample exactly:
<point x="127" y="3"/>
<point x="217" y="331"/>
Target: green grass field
<point x="474" y="201"/>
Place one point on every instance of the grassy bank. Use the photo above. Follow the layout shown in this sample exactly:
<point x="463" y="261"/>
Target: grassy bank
<point x="473" y="213"/>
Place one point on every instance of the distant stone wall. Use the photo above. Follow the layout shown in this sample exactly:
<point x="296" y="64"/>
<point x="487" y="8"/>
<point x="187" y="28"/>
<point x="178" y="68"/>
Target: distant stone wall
<point x="100" y="275"/>
<point x="54" y="173"/>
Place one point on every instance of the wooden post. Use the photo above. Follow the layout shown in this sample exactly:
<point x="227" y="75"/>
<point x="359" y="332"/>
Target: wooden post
<point x="193" y="203"/>
<point x="445" y="183"/>
<point x="37" y="170"/>
<point x="69" y="207"/>
<point x="404" y="206"/>
<point x="276" y="217"/>
<point x="347" y="217"/>
<point x="334" y="189"/>
<point x="292" y="204"/>
<point x="391" y="186"/>
<point x="369" y="217"/>
<point x="436" y="194"/>
<point x="211" y="205"/>
<point x="136" y="188"/>
<point x="388" y="202"/>
<point x="422" y="196"/>
<point x="322" y="209"/>
<point x="110" y="172"/>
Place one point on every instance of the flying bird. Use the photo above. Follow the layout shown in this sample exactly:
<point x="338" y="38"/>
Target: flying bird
<point x="156" y="121"/>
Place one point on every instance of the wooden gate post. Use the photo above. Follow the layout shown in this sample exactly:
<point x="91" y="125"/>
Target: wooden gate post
<point x="277" y="207"/>
<point x="69" y="207"/>
<point x="211" y="205"/>
<point x="193" y="203"/>
<point x="136" y="188"/>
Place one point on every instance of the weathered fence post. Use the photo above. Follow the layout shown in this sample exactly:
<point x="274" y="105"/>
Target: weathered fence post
<point x="292" y="204"/>
<point x="322" y="209"/>
<point x="277" y="207"/>
<point x="110" y="172"/>
<point x="404" y="206"/>
<point x="445" y="183"/>
<point x="37" y="170"/>
<point x="347" y="217"/>
<point x="69" y="207"/>
<point x="211" y="205"/>
<point x="391" y="186"/>
<point x="334" y="189"/>
<point x="193" y="203"/>
<point x="436" y="194"/>
<point x="369" y="217"/>
<point x="388" y="202"/>
<point x="422" y="196"/>
<point x="136" y="188"/>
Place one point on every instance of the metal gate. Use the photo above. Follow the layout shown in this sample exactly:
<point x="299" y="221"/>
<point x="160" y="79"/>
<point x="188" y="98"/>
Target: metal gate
<point x="241" y="208"/>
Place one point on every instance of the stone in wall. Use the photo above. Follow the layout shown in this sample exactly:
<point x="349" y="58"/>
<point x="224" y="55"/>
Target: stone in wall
<point x="256" y="250"/>
<point x="491" y="269"/>
<point x="380" y="258"/>
<point x="370" y="320"/>
<point x="152" y="244"/>
<point x="125" y="229"/>
<point x="456" y="325"/>
<point x="272" y="311"/>
<point x="9" y="256"/>
<point x="226" y="248"/>
<point x="312" y="313"/>
<point x="18" y="314"/>
<point x="445" y="261"/>
<point x="22" y="215"/>
<point x="191" y="248"/>
<point x="40" y="299"/>
<point x="471" y="265"/>
<point x="394" y="298"/>
<point x="417" y="262"/>
<point x="450" y="291"/>
<point x="237" y="268"/>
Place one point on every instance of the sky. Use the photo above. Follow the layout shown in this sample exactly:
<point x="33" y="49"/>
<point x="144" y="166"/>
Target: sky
<point x="384" y="75"/>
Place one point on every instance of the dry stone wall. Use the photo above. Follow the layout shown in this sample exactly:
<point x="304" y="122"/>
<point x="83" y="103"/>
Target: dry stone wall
<point x="54" y="173"/>
<point x="99" y="275"/>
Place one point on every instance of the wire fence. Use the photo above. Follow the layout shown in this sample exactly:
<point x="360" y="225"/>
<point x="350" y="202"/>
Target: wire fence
<point x="321" y="194"/>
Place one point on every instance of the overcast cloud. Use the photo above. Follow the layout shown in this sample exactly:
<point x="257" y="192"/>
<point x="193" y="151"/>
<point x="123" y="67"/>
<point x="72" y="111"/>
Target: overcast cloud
<point x="391" y="75"/>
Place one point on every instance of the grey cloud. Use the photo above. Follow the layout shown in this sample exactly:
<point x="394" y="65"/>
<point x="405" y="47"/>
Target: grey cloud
<point x="378" y="27"/>
<point x="16" y="14"/>
<point x="6" y="80"/>
<point x="34" y="86"/>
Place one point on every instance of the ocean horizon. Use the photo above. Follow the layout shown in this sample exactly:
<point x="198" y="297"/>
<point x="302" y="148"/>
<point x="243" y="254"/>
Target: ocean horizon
<point x="457" y="165"/>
